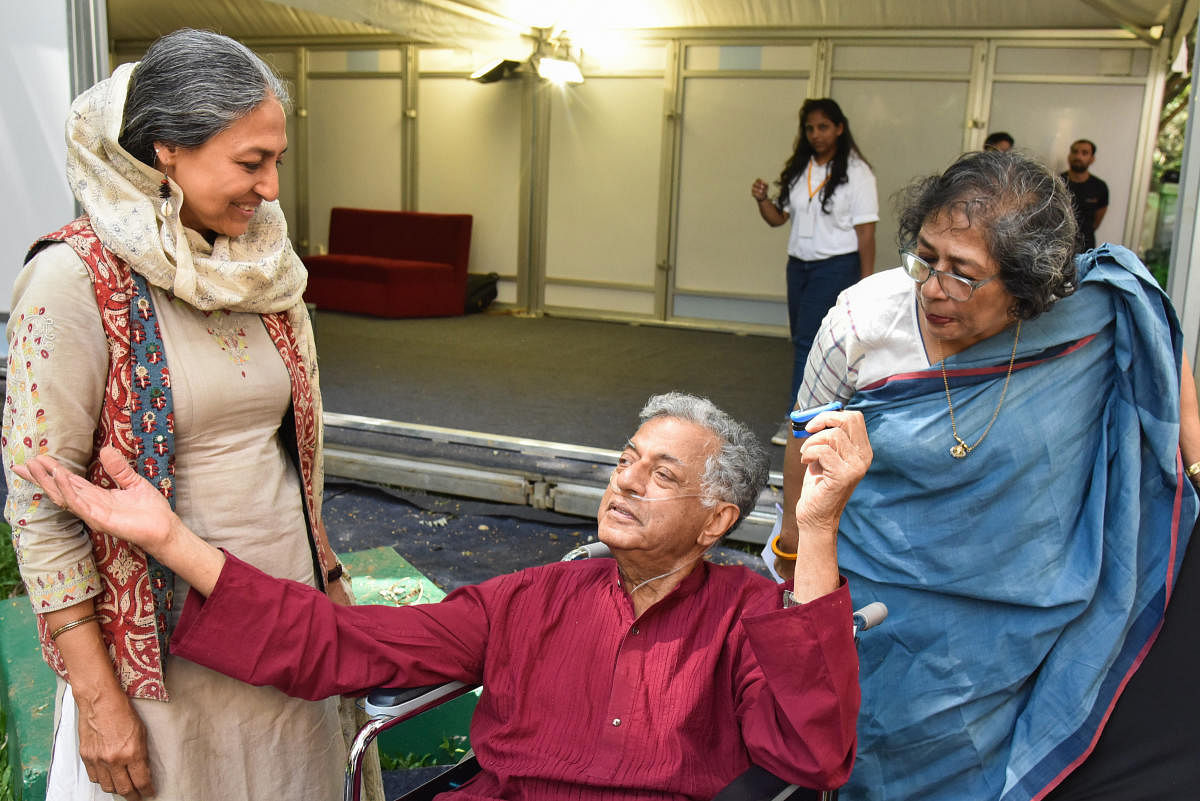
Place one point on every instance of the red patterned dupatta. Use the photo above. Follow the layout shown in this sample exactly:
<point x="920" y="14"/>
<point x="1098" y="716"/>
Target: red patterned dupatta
<point x="126" y="604"/>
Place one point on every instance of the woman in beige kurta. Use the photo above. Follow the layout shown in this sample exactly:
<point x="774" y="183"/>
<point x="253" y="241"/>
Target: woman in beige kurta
<point x="198" y="220"/>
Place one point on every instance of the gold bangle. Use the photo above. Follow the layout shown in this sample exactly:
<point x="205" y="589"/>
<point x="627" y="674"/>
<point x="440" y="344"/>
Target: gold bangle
<point x="1192" y="470"/>
<point x="779" y="553"/>
<point x="68" y="626"/>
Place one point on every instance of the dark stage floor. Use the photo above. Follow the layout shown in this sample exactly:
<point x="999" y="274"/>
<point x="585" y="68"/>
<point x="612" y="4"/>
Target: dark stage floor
<point x="574" y="381"/>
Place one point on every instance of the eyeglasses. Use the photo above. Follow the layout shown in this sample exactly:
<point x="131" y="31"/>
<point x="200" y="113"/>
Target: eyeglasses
<point x="663" y="493"/>
<point x="956" y="287"/>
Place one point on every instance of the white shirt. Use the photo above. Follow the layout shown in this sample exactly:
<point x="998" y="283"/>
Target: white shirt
<point x="817" y="235"/>
<point x="871" y="333"/>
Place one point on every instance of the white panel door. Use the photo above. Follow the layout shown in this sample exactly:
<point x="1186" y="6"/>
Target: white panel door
<point x="906" y="130"/>
<point x="469" y="162"/>
<point x="354" y="148"/>
<point x="1045" y="118"/>
<point x="602" y="216"/>
<point x="729" y="264"/>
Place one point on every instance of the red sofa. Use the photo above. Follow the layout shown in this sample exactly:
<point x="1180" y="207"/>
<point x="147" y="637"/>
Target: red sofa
<point x="392" y="264"/>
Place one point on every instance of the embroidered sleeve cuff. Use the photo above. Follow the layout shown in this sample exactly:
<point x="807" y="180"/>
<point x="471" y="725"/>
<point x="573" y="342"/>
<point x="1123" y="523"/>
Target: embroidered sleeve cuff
<point x="57" y="590"/>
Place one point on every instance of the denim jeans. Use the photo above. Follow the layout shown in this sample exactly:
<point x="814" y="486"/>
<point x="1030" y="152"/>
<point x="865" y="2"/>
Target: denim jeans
<point x="812" y="288"/>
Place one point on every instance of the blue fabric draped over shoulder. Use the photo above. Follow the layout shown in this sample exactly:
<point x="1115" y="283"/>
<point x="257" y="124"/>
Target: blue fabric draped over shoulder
<point x="1027" y="581"/>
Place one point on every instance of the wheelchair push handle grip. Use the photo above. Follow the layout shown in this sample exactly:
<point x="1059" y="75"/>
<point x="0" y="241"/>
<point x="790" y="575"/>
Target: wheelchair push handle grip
<point x="869" y="616"/>
<point x="589" y="550"/>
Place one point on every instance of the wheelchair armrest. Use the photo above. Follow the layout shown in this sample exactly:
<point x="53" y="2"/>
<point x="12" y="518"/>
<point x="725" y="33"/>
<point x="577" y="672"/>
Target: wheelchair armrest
<point x="756" y="784"/>
<point x="405" y="702"/>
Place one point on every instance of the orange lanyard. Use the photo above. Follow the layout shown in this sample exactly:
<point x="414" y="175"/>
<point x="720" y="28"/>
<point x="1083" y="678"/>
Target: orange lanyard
<point x="812" y="192"/>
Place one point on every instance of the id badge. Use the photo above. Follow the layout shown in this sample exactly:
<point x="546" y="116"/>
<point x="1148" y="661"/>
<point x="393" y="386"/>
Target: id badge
<point x="806" y="222"/>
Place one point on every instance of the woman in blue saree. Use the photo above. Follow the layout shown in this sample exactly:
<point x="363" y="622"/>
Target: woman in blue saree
<point x="1028" y="509"/>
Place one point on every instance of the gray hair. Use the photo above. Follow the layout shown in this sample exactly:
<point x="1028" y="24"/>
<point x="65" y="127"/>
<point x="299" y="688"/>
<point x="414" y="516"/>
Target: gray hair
<point x="190" y="86"/>
<point x="738" y="471"/>
<point x="1022" y="211"/>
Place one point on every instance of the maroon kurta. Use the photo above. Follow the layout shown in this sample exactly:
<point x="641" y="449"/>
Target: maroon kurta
<point x="579" y="700"/>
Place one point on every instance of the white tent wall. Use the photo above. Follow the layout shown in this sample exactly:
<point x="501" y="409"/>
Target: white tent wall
<point x="737" y="121"/>
<point x="1096" y="92"/>
<point x="913" y="105"/>
<point x="626" y="197"/>
<point x="1185" y="250"/>
<point x="909" y="105"/>
<point x="36" y="94"/>
<point x="355" y="115"/>
<point x="604" y="178"/>
<point x="634" y="204"/>
<point x="470" y="143"/>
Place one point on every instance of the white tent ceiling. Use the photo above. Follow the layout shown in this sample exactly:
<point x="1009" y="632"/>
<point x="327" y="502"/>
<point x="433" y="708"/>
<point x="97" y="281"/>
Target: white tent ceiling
<point x="474" y="24"/>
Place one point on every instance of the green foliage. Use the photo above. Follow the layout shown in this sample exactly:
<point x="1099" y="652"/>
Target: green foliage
<point x="10" y="577"/>
<point x="1168" y="149"/>
<point x="409" y="761"/>
<point x="10" y="585"/>
<point x="6" y="778"/>
<point x="745" y="547"/>
<point x="1161" y="208"/>
<point x="1172" y="121"/>
<point x="453" y="748"/>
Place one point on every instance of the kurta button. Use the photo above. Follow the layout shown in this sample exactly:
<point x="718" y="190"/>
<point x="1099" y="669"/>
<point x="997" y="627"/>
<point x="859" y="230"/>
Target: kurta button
<point x="616" y="721"/>
<point x="635" y="629"/>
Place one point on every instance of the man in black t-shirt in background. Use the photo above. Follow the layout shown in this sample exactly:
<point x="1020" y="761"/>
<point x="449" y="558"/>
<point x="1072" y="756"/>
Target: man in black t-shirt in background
<point x="1088" y="193"/>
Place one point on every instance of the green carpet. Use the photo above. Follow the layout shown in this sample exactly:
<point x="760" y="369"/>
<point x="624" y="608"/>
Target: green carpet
<point x="378" y="575"/>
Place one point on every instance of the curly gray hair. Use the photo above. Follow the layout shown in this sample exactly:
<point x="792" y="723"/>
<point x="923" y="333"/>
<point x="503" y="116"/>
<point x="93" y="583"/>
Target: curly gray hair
<point x="1022" y="210"/>
<point x="190" y="86"/>
<point x="738" y="471"/>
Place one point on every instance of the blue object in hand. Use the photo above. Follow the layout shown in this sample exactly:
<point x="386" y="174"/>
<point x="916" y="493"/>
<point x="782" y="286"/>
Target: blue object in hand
<point x="800" y="417"/>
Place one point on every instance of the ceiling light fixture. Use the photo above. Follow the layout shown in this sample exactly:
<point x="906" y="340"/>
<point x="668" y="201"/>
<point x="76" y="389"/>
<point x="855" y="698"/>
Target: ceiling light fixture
<point x="495" y="70"/>
<point x="559" y="70"/>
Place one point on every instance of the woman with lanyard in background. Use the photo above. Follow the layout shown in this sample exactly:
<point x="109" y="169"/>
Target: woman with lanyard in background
<point x="827" y="190"/>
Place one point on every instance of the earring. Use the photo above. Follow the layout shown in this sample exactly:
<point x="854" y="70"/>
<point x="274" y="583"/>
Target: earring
<point x="164" y="192"/>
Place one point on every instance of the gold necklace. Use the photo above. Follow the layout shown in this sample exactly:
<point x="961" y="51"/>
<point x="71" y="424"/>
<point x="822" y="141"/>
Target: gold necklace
<point x="960" y="450"/>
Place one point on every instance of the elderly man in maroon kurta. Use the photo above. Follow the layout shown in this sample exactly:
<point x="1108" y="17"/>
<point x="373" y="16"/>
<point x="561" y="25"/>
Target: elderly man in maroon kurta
<point x="653" y="674"/>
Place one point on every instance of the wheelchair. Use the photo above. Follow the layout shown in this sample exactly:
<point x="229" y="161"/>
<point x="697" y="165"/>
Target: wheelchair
<point x="388" y="707"/>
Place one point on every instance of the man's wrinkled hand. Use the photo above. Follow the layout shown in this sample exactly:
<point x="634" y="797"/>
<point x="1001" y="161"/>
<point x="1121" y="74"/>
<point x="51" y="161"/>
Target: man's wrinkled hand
<point x="836" y="458"/>
<point x="135" y="511"/>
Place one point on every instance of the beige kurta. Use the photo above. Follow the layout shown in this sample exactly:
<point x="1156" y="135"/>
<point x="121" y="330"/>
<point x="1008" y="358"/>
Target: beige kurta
<point x="235" y="486"/>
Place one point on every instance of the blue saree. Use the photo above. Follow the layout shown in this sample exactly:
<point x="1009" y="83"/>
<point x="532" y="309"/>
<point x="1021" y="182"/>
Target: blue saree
<point x="1027" y="581"/>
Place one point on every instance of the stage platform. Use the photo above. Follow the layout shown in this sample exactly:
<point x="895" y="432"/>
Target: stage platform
<point x="527" y="411"/>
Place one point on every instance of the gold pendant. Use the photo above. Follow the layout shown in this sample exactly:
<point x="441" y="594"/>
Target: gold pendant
<point x="959" y="451"/>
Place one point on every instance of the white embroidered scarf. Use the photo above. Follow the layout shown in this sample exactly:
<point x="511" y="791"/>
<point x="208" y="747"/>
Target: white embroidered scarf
<point x="256" y="272"/>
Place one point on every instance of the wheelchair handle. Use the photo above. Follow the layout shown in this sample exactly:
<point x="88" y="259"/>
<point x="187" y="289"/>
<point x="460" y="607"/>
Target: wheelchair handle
<point x="869" y="616"/>
<point x="590" y="550"/>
